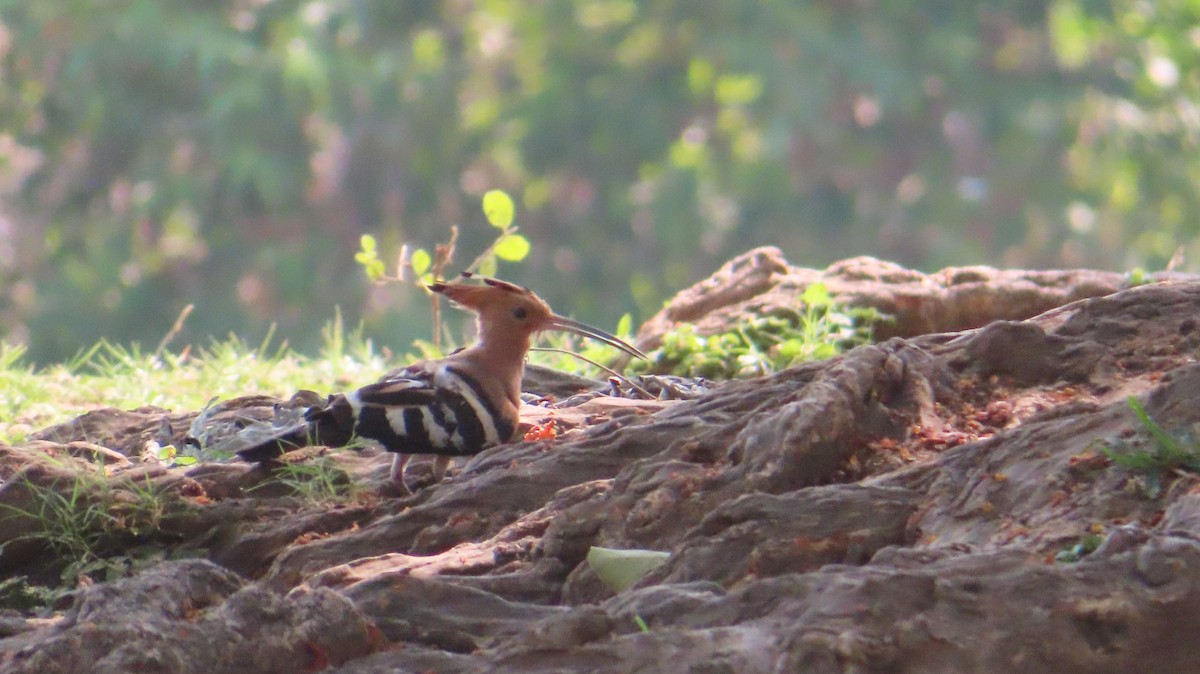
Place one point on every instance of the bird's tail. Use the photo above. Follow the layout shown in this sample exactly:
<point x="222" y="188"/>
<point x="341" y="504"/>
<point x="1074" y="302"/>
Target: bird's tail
<point x="330" y="424"/>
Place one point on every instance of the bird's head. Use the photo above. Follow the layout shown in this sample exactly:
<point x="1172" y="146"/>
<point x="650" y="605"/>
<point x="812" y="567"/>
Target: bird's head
<point x="507" y="312"/>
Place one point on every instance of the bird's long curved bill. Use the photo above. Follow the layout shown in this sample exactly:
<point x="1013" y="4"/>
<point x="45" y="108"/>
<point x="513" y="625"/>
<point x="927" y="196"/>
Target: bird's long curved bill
<point x="569" y="325"/>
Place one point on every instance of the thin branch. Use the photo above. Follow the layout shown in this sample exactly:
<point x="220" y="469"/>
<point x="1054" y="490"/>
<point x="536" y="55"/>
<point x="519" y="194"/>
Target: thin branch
<point x="492" y="247"/>
<point x="403" y="262"/>
<point x="443" y="253"/>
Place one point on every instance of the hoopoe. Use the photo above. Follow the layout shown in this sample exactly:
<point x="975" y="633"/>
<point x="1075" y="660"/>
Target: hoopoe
<point x="454" y="406"/>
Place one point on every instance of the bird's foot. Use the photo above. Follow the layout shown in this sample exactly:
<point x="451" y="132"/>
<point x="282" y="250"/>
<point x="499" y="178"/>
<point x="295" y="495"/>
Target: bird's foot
<point x="393" y="489"/>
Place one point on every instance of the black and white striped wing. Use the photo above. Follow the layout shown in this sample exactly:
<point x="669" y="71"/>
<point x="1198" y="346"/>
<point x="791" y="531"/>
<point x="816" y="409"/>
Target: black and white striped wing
<point x="445" y="412"/>
<point x="482" y="421"/>
<point x="403" y="415"/>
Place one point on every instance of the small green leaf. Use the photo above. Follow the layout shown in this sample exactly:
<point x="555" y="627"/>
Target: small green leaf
<point x="429" y="50"/>
<point x="619" y="569"/>
<point x="372" y="266"/>
<point x="498" y="207"/>
<point x="700" y="76"/>
<point x="625" y="325"/>
<point x="512" y="248"/>
<point x="420" y="261"/>
<point x="487" y="266"/>
<point x="738" y="89"/>
<point x="368" y="258"/>
<point x="817" y="295"/>
<point x="169" y="453"/>
<point x="790" y="349"/>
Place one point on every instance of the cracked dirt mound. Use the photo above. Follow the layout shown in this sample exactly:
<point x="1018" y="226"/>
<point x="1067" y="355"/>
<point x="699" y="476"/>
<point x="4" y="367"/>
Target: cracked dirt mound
<point x="899" y="508"/>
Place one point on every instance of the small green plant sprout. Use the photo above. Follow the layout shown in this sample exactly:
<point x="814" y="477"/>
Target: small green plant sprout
<point x="1139" y="276"/>
<point x="767" y="344"/>
<point x="509" y="246"/>
<point x="424" y="268"/>
<point x="368" y="257"/>
<point x="641" y="623"/>
<point x="1168" y="454"/>
<point x="1086" y="546"/>
<point x="620" y="569"/>
<point x="170" y="455"/>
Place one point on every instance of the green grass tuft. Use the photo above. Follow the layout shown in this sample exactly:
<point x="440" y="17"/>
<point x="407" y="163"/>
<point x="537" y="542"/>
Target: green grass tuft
<point x="318" y="482"/>
<point x="1169" y="453"/>
<point x="110" y="375"/>
<point x="92" y="525"/>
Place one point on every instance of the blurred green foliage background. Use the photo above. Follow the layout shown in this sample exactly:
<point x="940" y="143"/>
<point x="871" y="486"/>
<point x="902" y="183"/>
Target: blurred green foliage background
<point x="230" y="153"/>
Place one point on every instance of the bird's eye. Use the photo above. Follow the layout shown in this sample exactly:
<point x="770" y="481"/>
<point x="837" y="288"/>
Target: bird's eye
<point x="519" y="313"/>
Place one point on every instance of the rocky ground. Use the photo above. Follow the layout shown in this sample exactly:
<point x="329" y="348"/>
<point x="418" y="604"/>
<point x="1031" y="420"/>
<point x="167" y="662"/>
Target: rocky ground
<point x="974" y="493"/>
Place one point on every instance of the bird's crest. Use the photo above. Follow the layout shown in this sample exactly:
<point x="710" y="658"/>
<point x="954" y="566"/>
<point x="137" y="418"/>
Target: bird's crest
<point x="476" y="296"/>
<point x="506" y="307"/>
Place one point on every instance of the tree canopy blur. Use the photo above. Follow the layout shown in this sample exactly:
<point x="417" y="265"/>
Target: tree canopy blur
<point x="231" y="153"/>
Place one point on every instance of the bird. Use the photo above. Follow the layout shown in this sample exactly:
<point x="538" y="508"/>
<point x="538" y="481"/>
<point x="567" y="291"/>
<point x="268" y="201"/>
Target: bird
<point x="453" y="406"/>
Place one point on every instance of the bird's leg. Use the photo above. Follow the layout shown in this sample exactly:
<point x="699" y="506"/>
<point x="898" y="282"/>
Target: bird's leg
<point x="439" y="467"/>
<point x="399" y="460"/>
